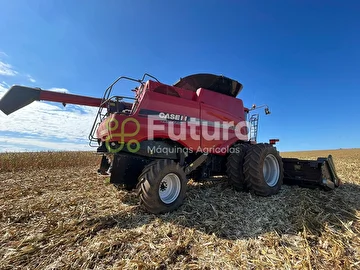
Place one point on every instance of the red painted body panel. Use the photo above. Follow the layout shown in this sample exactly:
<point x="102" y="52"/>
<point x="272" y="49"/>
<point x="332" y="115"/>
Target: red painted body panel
<point x="157" y="101"/>
<point x="220" y="109"/>
<point x="69" y="98"/>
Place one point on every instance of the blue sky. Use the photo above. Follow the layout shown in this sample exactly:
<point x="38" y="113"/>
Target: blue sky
<point x="299" y="57"/>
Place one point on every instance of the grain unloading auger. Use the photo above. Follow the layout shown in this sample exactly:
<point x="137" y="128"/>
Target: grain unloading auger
<point x="194" y="129"/>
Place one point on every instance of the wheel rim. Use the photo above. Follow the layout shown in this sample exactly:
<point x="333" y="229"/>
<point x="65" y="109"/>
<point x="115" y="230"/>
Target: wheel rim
<point x="169" y="188"/>
<point x="271" y="170"/>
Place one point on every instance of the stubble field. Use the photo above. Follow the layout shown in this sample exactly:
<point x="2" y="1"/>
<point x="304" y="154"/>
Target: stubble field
<point x="57" y="213"/>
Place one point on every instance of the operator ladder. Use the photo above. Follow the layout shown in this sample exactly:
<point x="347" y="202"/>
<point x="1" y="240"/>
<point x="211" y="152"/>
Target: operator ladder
<point x="100" y="116"/>
<point x="254" y="120"/>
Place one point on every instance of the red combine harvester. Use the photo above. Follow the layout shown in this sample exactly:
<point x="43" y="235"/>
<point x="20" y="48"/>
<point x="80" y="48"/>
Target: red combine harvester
<point x="195" y="129"/>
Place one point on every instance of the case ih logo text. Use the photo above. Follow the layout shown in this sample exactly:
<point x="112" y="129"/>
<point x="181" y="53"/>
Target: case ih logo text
<point x="172" y="116"/>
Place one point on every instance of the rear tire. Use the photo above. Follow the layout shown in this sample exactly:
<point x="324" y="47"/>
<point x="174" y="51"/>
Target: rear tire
<point x="234" y="167"/>
<point x="263" y="169"/>
<point x="162" y="186"/>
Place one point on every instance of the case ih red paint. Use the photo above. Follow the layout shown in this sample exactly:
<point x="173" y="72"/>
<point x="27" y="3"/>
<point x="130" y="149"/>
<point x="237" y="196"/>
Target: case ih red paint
<point x="195" y="129"/>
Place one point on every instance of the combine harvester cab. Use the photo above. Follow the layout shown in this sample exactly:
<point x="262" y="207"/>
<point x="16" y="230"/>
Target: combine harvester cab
<point x="129" y="156"/>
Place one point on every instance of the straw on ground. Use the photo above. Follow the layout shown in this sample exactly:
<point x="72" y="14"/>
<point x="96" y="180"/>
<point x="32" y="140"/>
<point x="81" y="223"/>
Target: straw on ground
<point x="56" y="213"/>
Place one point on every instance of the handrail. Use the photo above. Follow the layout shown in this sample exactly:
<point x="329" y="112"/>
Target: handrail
<point x="106" y="99"/>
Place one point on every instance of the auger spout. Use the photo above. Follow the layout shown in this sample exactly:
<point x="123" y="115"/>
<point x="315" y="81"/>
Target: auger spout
<point x="19" y="96"/>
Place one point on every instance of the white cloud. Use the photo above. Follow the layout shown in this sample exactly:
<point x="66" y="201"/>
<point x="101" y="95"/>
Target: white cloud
<point x="3" y="87"/>
<point x="50" y="121"/>
<point x="43" y="125"/>
<point x="46" y="125"/>
<point x="7" y="69"/>
<point x="5" y="84"/>
<point x="31" y="79"/>
<point x="3" y="54"/>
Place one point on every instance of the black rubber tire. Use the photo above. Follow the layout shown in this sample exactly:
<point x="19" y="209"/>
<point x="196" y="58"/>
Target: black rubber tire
<point x="149" y="182"/>
<point x="253" y="169"/>
<point x="234" y="167"/>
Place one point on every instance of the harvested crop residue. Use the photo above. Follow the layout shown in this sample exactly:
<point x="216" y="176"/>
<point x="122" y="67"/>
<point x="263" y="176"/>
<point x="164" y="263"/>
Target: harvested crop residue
<point x="58" y="214"/>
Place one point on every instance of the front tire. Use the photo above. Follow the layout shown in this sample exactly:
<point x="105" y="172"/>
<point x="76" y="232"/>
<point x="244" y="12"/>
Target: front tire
<point x="162" y="186"/>
<point x="263" y="169"/>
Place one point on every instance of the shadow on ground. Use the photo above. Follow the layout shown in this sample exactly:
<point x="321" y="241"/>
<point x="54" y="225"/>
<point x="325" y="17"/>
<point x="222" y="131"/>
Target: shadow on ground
<point x="218" y="209"/>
